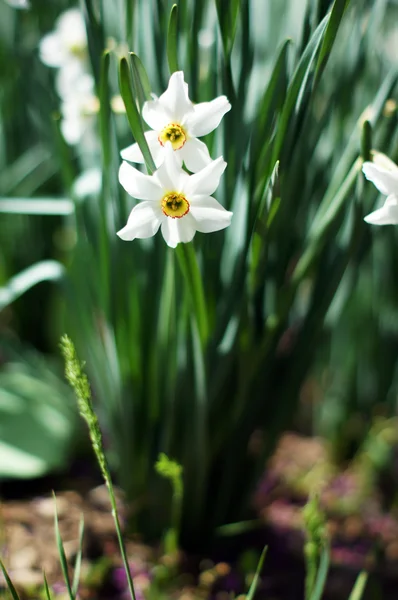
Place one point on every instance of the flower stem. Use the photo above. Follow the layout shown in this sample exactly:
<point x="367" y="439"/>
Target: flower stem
<point x="190" y="269"/>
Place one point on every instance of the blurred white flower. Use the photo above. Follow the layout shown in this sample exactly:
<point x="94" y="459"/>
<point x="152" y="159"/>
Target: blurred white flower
<point x="77" y="116"/>
<point x="383" y="173"/>
<point x="88" y="183"/>
<point x="178" y="203"/>
<point x="73" y="79"/>
<point x="175" y="119"/>
<point x="23" y="4"/>
<point x="67" y="42"/>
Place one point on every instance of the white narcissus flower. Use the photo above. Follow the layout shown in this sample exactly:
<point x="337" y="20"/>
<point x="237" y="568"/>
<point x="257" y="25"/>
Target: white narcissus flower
<point x="383" y="173"/>
<point x="178" y="203"/>
<point x="175" y="119"/>
<point x="67" y="42"/>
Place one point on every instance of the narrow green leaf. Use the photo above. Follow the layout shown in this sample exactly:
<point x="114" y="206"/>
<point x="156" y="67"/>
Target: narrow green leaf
<point x="61" y="552"/>
<point x="105" y="110"/>
<point x="172" y="40"/>
<point x="366" y="141"/>
<point x="140" y="78"/>
<point x="78" y="562"/>
<point x="253" y="586"/>
<point x="359" y="586"/>
<point x="298" y="86"/>
<point x="193" y="280"/>
<point x="95" y="35"/>
<point x="46" y="270"/>
<point x="322" y="226"/>
<point x="10" y="585"/>
<point x="36" y="206"/>
<point x="240" y="527"/>
<point x="321" y="575"/>
<point x="274" y="93"/>
<point x="46" y="588"/>
<point x="129" y="21"/>
<point x="227" y="13"/>
<point x="336" y="15"/>
<point x="133" y="114"/>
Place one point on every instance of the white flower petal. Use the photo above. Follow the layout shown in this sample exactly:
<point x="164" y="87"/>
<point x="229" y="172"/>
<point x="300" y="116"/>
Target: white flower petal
<point x="73" y="83"/>
<point x="206" y="116"/>
<point x="175" y="231"/>
<point x="72" y="128"/>
<point x="386" y="181"/>
<point x="381" y="160"/>
<point x="22" y="4"/>
<point x="206" y="181"/>
<point x="387" y="214"/>
<point x="133" y="153"/>
<point x="70" y="26"/>
<point x="195" y="155"/>
<point x="154" y="113"/>
<point x="139" y="185"/>
<point x="209" y="215"/>
<point x="52" y="52"/>
<point x="170" y="174"/>
<point x="175" y="99"/>
<point x="143" y="222"/>
<point x="88" y="183"/>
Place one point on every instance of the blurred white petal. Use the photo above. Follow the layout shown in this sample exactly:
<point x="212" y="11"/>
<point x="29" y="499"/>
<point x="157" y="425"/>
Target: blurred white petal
<point x="22" y="4"/>
<point x="88" y="183"/>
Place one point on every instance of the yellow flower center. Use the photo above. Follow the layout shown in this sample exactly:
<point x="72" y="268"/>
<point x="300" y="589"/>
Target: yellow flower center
<point x="173" y="133"/>
<point x="78" y="50"/>
<point x="175" y="205"/>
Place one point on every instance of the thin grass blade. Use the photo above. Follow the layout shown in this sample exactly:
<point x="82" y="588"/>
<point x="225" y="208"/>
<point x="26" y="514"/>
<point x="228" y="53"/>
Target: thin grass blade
<point x="46" y="587"/>
<point x="10" y="585"/>
<point x="61" y="552"/>
<point x="78" y="562"/>
<point x="359" y="587"/>
<point x="254" y="583"/>
<point x="336" y="15"/>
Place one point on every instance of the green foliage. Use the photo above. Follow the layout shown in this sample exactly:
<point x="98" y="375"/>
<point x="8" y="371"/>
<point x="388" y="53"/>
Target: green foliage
<point x="191" y="362"/>
<point x="36" y="414"/>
